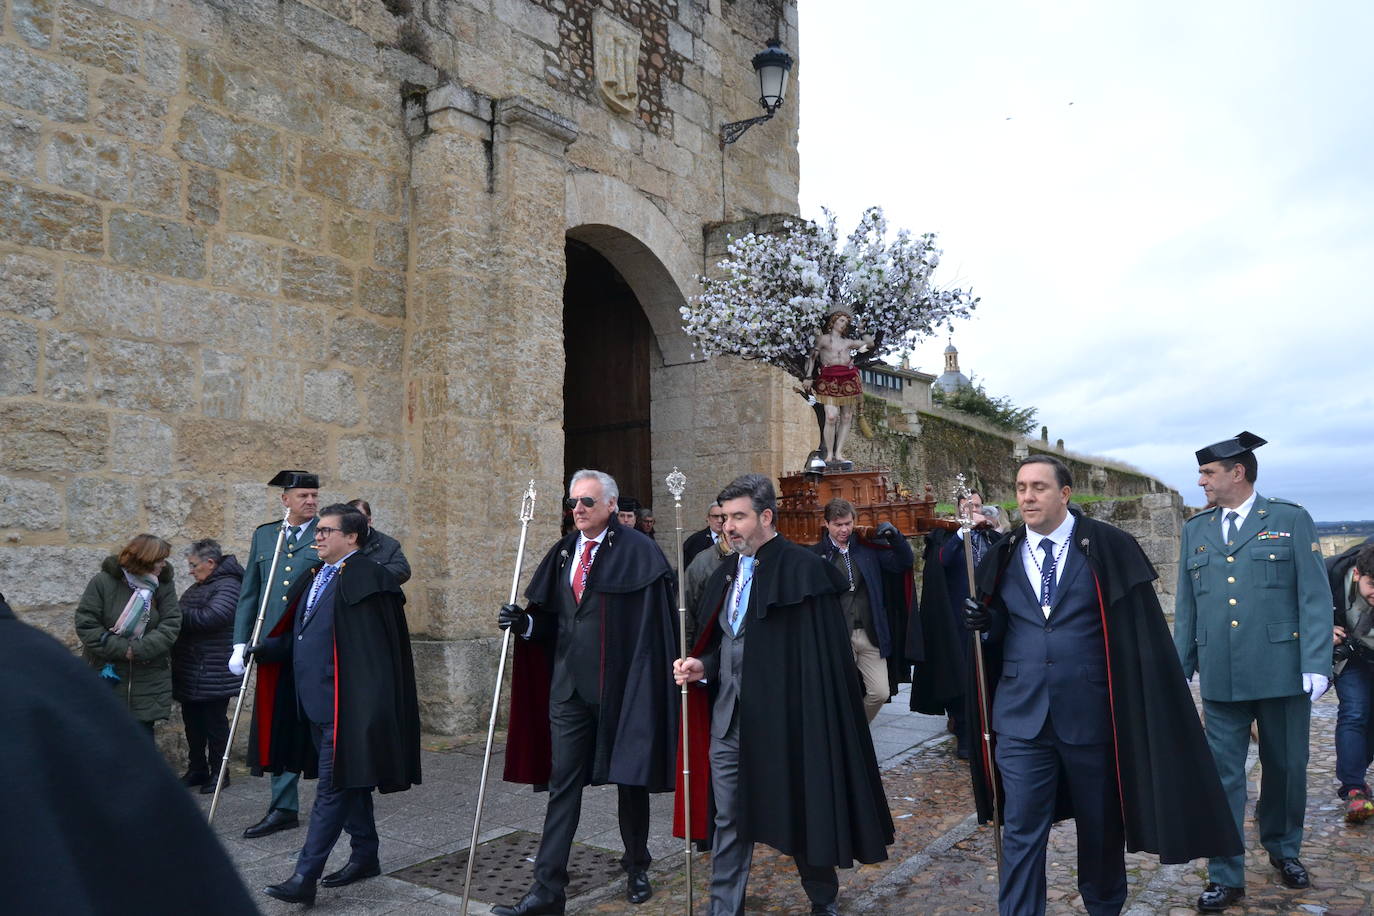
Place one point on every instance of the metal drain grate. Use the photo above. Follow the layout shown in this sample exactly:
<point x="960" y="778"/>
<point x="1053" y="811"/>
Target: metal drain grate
<point x="505" y="869"/>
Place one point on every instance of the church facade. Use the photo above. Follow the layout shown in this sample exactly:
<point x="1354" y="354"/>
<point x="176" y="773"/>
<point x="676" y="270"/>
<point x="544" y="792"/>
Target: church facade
<point x="429" y="250"/>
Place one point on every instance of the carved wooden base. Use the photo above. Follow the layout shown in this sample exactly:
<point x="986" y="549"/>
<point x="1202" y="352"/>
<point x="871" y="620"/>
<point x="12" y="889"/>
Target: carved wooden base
<point x="801" y="503"/>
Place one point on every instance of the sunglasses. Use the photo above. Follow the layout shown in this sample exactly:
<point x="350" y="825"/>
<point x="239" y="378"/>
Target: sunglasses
<point x="572" y="501"/>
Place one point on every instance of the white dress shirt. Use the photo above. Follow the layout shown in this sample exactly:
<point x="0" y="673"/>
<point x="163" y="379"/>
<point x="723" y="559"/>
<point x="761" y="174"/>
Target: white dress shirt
<point x="1031" y="557"/>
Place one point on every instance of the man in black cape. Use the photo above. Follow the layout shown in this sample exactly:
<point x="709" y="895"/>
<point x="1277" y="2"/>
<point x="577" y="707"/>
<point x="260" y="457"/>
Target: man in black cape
<point x="95" y="821"/>
<point x="1091" y="714"/>
<point x="592" y="700"/>
<point x="345" y="708"/>
<point x="791" y="758"/>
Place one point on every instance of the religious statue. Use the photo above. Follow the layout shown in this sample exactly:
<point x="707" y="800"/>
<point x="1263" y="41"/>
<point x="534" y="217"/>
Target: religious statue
<point x="837" y="386"/>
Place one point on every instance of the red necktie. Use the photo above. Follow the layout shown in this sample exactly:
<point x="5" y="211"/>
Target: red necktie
<point x="583" y="567"/>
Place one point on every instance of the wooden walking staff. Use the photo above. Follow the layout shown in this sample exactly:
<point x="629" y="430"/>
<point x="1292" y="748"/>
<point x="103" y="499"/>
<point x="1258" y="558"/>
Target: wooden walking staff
<point x="248" y="665"/>
<point x="961" y="492"/>
<point x="526" y="513"/>
<point x="677" y="483"/>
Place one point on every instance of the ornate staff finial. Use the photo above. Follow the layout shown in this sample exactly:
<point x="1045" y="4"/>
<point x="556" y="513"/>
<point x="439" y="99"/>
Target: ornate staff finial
<point x="962" y="492"/>
<point x="527" y="503"/>
<point x="677" y="483"/>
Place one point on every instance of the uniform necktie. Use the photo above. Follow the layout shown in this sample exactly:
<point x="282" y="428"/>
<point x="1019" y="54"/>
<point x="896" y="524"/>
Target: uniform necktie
<point x="1232" y="524"/>
<point x="584" y="566"/>
<point x="1047" y="576"/>
<point x="321" y="583"/>
<point x="295" y="532"/>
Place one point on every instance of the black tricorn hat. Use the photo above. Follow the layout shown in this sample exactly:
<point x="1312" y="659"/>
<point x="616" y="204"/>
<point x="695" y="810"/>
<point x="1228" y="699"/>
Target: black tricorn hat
<point x="1230" y="448"/>
<point x="627" y="504"/>
<point x="290" y="479"/>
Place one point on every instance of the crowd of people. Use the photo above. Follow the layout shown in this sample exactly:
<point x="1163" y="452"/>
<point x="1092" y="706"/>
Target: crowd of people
<point x="1083" y="707"/>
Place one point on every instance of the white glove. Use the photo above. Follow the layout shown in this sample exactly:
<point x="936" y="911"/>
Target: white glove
<point x="1314" y="685"/>
<point x="236" y="660"/>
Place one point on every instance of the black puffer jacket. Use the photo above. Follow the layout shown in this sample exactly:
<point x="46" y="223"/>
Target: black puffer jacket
<point x="200" y="658"/>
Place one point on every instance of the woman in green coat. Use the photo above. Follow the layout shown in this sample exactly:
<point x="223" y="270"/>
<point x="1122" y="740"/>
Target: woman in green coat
<point x="127" y="621"/>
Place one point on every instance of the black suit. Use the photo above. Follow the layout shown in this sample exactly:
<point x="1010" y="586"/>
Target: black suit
<point x="695" y="544"/>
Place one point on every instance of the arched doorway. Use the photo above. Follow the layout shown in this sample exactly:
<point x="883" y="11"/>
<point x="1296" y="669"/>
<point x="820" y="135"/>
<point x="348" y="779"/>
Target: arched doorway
<point x="609" y="347"/>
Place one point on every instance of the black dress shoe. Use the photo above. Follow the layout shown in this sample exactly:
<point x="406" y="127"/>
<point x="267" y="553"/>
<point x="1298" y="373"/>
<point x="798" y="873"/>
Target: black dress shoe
<point x="208" y="787"/>
<point x="353" y="871"/>
<point x="824" y="909"/>
<point x="637" y="887"/>
<point x="537" y="902"/>
<point x="1217" y="897"/>
<point x="191" y="779"/>
<point x="1291" y="873"/>
<point x="275" y="820"/>
<point x="295" y="889"/>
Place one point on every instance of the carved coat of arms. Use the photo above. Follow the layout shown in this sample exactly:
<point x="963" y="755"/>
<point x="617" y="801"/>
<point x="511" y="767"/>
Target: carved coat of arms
<point x="615" y="45"/>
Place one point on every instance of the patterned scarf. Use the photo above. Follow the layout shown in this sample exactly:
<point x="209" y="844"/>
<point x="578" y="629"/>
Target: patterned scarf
<point x="134" y="620"/>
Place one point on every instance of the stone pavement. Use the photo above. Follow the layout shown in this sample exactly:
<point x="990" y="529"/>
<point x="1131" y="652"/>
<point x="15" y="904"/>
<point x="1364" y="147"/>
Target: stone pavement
<point x="940" y="863"/>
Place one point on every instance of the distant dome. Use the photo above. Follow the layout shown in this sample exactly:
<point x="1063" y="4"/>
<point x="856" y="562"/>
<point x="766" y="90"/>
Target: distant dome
<point x="951" y="380"/>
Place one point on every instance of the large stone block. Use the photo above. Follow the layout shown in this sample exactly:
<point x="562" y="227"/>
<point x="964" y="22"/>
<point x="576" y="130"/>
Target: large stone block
<point x="383" y="292"/>
<point x="349" y="236"/>
<point x="301" y="331"/>
<point x="385" y="393"/>
<point x="40" y="437"/>
<point x="162" y="65"/>
<point x="41" y="579"/>
<point x="19" y="144"/>
<point x="369" y="458"/>
<point x="215" y="450"/>
<point x="454" y="680"/>
<point x="101" y="298"/>
<point x="254" y="92"/>
<point x="125" y="109"/>
<point x="142" y="376"/>
<point x="28" y="286"/>
<point x="273" y="392"/>
<point x="54" y="90"/>
<point x="93" y="165"/>
<point x="185" y="510"/>
<point x="18" y="357"/>
<point x="224" y="321"/>
<point x="240" y="262"/>
<point x="349" y="180"/>
<point x="266" y="210"/>
<point x="33" y="20"/>
<point x="390" y="245"/>
<point x="327" y="33"/>
<point x="44" y="219"/>
<point x="98" y="39"/>
<point x="312" y="278"/>
<point x="154" y="182"/>
<point x="144" y="445"/>
<point x="350" y="336"/>
<point x="367" y="135"/>
<point x="66" y="358"/>
<point x="158" y="245"/>
<point x="102" y="510"/>
<point x="202" y="196"/>
<point x="222" y="142"/>
<point x="331" y="395"/>
<point x="29" y="504"/>
<point x="222" y="384"/>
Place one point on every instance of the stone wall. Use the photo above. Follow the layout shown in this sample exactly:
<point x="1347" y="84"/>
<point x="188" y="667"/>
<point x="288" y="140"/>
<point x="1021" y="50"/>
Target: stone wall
<point x="236" y="237"/>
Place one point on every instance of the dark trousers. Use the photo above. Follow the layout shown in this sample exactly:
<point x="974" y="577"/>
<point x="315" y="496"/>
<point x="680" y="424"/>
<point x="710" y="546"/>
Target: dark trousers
<point x="1031" y="773"/>
<point x="573" y="723"/>
<point x="207" y="726"/>
<point x="1355" y="724"/>
<point x="335" y="811"/>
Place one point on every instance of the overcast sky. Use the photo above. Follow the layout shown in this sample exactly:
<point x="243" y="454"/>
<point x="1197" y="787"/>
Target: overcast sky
<point x="1165" y="208"/>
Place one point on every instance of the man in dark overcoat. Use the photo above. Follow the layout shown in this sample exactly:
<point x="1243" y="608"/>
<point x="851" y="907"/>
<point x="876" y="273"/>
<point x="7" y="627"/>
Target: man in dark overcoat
<point x="1091" y="714"/>
<point x="791" y="758"/>
<point x="592" y="699"/>
<point x="345" y="705"/>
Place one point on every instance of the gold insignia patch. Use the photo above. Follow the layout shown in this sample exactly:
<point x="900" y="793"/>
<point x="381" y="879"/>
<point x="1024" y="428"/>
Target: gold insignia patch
<point x="1317" y="547"/>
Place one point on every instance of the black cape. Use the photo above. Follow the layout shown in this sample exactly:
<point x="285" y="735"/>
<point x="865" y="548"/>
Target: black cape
<point x="95" y="821"/>
<point x="631" y="591"/>
<point x="377" y="715"/>
<point x="939" y="643"/>
<point x="1171" y="797"/>
<point x="808" y="777"/>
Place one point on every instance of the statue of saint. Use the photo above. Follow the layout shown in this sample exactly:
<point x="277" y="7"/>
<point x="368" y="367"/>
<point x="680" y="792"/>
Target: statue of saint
<point x="837" y="387"/>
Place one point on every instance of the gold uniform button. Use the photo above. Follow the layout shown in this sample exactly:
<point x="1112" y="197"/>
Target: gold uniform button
<point x="283" y="597"/>
<point x="1233" y="602"/>
<point x="1230" y="579"/>
<point x="288" y="582"/>
<point x="1295" y="635"/>
<point x="1272" y="557"/>
<point x="1230" y="559"/>
<point x="1235" y="623"/>
<point x="288" y="569"/>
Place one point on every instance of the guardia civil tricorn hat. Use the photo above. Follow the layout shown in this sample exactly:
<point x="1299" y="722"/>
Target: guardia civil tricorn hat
<point x="1230" y="448"/>
<point x="290" y="479"/>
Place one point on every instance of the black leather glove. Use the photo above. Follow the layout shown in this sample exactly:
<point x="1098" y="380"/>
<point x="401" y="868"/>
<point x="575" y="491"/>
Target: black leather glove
<point x="976" y="616"/>
<point x="248" y="651"/>
<point x="513" y="615"/>
<point x="888" y="532"/>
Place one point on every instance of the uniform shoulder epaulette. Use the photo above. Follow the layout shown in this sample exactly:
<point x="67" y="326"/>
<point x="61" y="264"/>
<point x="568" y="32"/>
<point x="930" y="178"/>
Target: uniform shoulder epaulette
<point x="1283" y="502"/>
<point x="267" y="525"/>
<point x="1205" y="513"/>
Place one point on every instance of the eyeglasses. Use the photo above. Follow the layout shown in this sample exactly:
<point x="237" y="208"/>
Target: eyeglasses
<point x="324" y="529"/>
<point x="572" y="501"/>
<point x="716" y="518"/>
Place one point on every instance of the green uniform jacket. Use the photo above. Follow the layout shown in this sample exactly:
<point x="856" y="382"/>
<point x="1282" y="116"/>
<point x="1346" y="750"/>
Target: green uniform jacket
<point x="296" y="558"/>
<point x="1254" y="616"/>
<point x="145" y="684"/>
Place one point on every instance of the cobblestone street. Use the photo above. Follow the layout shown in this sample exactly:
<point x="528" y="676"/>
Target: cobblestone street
<point x="941" y="861"/>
